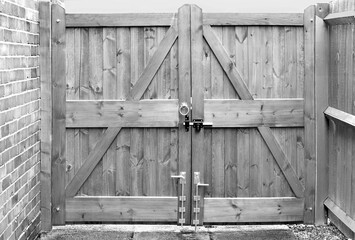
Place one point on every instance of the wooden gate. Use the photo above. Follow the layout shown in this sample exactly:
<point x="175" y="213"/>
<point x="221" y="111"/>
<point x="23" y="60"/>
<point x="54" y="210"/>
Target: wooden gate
<point x="126" y="77"/>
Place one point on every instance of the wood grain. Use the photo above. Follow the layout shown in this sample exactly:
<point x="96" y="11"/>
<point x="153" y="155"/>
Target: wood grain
<point x="253" y="210"/>
<point x="253" y="113"/>
<point x="120" y="20"/>
<point x="92" y="160"/>
<point x="58" y="123"/>
<point x="46" y="113"/>
<point x="340" y="18"/>
<point x="145" y="113"/>
<point x="153" y="65"/>
<point x="250" y="19"/>
<point x="121" y="209"/>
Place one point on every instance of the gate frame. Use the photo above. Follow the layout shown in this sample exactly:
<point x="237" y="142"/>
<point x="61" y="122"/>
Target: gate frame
<point x="53" y="23"/>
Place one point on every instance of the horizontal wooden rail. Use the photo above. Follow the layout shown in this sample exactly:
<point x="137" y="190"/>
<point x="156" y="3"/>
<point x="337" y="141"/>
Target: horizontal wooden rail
<point x="120" y="20"/>
<point x="255" y="113"/>
<point x="340" y="214"/>
<point x="110" y="113"/>
<point x="340" y="18"/>
<point x="341" y="116"/>
<point x="168" y="19"/>
<point x="124" y="209"/>
<point x="253" y="209"/>
<point x="259" y="19"/>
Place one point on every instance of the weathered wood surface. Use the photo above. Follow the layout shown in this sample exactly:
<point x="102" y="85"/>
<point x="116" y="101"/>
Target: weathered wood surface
<point x="253" y="210"/>
<point x="310" y="113"/>
<point x="184" y="93"/>
<point x="58" y="158"/>
<point x="91" y="161"/>
<point x="340" y="18"/>
<point x="340" y="116"/>
<point x="341" y="97"/>
<point x="121" y="209"/>
<point x="339" y="213"/>
<point x="321" y="103"/>
<point x="115" y="65"/>
<point x="146" y="113"/>
<point x="167" y="19"/>
<point x="120" y="20"/>
<point x="46" y="113"/>
<point x="239" y="85"/>
<point x="254" y="113"/>
<point x="153" y="65"/>
<point x="250" y="19"/>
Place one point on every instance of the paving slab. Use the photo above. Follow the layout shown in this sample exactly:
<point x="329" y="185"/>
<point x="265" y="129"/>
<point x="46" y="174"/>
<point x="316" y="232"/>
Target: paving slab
<point x="169" y="232"/>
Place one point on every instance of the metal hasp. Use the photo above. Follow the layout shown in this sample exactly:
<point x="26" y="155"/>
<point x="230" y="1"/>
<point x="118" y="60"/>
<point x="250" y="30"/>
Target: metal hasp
<point x="196" y="123"/>
<point x="197" y="198"/>
<point x="182" y="197"/>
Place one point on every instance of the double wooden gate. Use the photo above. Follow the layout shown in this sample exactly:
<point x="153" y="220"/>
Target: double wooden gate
<point x="127" y="76"/>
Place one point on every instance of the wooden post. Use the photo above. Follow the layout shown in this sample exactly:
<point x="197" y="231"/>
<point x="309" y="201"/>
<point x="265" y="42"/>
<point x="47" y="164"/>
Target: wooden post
<point x="310" y="124"/>
<point x="184" y="96"/>
<point x="58" y="124"/>
<point x="198" y="159"/>
<point x="322" y="51"/>
<point x="46" y="113"/>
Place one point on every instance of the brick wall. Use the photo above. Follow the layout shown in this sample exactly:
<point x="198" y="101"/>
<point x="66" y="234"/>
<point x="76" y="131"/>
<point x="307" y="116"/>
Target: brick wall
<point x="19" y="120"/>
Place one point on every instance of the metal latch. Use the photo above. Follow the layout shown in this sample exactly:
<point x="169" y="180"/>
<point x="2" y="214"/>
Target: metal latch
<point x="182" y="197"/>
<point x="196" y="123"/>
<point x="197" y="198"/>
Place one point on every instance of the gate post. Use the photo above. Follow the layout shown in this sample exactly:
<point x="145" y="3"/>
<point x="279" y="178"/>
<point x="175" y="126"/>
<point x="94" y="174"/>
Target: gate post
<point x="46" y="113"/>
<point x="58" y="122"/>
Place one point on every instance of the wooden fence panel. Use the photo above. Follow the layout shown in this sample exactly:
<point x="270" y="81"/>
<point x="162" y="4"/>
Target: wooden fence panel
<point x="103" y="64"/>
<point x="271" y="61"/>
<point x="341" y="202"/>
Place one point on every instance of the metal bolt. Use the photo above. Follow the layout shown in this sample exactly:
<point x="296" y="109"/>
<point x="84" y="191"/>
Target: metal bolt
<point x="58" y="20"/>
<point x="57" y="209"/>
<point x="312" y="20"/>
<point x="310" y="209"/>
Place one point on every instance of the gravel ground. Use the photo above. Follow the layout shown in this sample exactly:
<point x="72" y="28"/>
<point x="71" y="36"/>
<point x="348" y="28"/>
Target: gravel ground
<point x="328" y="232"/>
<point x="171" y="232"/>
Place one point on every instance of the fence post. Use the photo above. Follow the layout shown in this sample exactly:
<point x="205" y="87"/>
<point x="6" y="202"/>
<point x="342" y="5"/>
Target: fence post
<point x="309" y="123"/>
<point x="46" y="112"/>
<point x="59" y="99"/>
<point x="322" y="52"/>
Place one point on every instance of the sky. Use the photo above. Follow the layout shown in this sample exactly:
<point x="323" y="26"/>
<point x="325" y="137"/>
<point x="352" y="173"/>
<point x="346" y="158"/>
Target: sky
<point x="169" y="6"/>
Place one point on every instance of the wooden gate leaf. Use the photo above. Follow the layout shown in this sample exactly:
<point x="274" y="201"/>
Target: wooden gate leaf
<point x="91" y="161"/>
<point x="154" y="63"/>
<point x="244" y="93"/>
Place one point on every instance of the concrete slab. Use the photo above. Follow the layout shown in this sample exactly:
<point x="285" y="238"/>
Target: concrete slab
<point x="169" y="232"/>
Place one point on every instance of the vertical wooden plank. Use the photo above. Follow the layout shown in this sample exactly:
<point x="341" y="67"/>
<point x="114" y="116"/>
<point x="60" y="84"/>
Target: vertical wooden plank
<point x="243" y="157"/>
<point x="267" y="160"/>
<point x="58" y="97"/>
<point x="46" y="113"/>
<point x="310" y="135"/>
<point x="70" y="94"/>
<point x="166" y="166"/>
<point x="123" y="170"/>
<point x="94" y="183"/>
<point x="109" y="92"/>
<point x="348" y="108"/>
<point x="136" y="158"/>
<point x="184" y="60"/>
<point x="217" y="78"/>
<point x="230" y="135"/>
<point x="198" y="101"/>
<point x="321" y="103"/>
<point x="82" y="139"/>
<point x="206" y="63"/>
<point x="150" y="138"/>
<point x="255" y="75"/>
